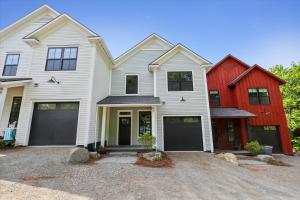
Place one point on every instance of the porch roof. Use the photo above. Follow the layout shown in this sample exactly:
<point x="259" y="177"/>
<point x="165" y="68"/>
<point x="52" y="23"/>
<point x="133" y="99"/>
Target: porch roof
<point x="129" y="101"/>
<point x="230" y="113"/>
<point x="14" y="82"/>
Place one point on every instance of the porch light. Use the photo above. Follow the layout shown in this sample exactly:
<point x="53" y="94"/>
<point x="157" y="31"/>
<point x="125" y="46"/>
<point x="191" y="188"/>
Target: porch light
<point x="182" y="99"/>
<point x="53" y="80"/>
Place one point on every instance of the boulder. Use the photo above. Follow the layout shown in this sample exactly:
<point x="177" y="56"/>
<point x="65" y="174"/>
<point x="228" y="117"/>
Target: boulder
<point x="228" y="157"/>
<point x="264" y="157"/>
<point x="78" y="155"/>
<point x="152" y="156"/>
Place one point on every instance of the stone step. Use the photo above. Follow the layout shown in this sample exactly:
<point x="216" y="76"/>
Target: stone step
<point x="122" y="153"/>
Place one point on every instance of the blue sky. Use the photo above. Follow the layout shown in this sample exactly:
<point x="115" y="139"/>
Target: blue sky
<point x="266" y="32"/>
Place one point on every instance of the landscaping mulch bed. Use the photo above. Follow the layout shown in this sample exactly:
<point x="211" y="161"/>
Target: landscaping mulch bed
<point x="166" y="162"/>
<point x="94" y="159"/>
<point x="278" y="163"/>
<point x="12" y="149"/>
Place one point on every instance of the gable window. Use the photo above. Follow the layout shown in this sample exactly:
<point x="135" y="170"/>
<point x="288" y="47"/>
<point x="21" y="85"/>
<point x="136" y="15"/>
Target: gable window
<point x="11" y="64"/>
<point x="144" y="122"/>
<point x="258" y="96"/>
<point x="180" y="81"/>
<point x="61" y="59"/>
<point x="131" y="84"/>
<point x="214" y="97"/>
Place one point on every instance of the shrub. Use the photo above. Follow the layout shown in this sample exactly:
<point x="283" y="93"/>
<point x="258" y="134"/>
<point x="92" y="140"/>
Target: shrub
<point x="6" y="144"/>
<point x="147" y="140"/>
<point x="254" y="147"/>
<point x="296" y="143"/>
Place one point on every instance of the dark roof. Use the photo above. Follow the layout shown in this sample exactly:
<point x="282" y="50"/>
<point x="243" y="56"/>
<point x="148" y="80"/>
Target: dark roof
<point x="151" y="100"/>
<point x="229" y="113"/>
<point x="2" y="80"/>
<point x="242" y="75"/>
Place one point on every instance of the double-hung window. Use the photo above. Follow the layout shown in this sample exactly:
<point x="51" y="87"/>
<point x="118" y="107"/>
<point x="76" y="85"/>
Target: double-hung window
<point x="214" y="97"/>
<point x="61" y="59"/>
<point x="132" y="84"/>
<point x="180" y="81"/>
<point x="258" y="96"/>
<point x="11" y="65"/>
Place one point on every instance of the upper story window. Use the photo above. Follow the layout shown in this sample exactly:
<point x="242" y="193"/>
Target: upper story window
<point x="11" y="65"/>
<point x="258" y="96"/>
<point x="132" y="84"/>
<point x="214" y="97"/>
<point x="180" y="81"/>
<point x="61" y="59"/>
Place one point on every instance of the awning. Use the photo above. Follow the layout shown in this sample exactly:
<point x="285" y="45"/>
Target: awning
<point x="14" y="82"/>
<point x="230" y="113"/>
<point x="129" y="101"/>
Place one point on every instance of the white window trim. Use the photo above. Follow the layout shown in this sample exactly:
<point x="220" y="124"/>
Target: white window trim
<point x="167" y="88"/>
<point x="138" y="84"/>
<point x="202" y="127"/>
<point x="130" y="115"/>
<point x="138" y="120"/>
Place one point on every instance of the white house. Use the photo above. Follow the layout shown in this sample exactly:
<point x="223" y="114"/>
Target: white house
<point x="54" y="70"/>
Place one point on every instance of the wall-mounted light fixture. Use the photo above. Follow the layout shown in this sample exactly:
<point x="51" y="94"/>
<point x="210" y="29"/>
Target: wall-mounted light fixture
<point x="53" y="80"/>
<point x="182" y="99"/>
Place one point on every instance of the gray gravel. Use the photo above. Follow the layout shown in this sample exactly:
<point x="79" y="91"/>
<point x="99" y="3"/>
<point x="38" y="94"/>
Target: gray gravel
<point x="195" y="176"/>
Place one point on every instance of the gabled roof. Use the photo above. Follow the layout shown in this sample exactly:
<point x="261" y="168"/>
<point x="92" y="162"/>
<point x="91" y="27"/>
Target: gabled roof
<point x="122" y="58"/>
<point x="178" y="48"/>
<point x="229" y="56"/>
<point x="31" y="15"/>
<point x="56" y="21"/>
<point x="245" y="73"/>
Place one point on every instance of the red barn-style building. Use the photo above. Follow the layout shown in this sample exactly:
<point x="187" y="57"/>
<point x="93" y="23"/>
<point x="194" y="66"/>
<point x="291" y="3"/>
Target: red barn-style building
<point x="246" y="105"/>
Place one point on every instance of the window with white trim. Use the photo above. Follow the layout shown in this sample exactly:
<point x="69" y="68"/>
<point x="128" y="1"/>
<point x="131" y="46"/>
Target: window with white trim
<point x="132" y="84"/>
<point x="180" y="81"/>
<point x="11" y="65"/>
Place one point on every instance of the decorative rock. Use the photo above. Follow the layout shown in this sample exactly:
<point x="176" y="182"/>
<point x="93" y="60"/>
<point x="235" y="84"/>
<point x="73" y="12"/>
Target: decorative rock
<point x="152" y="156"/>
<point x="297" y="153"/>
<point x="228" y="157"/>
<point x="78" y="155"/>
<point x="265" y="158"/>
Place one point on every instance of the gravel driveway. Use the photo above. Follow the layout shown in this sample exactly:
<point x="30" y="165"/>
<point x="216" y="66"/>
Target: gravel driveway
<point x="195" y="176"/>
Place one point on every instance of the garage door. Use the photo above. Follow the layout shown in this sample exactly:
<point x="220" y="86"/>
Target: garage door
<point x="54" y="123"/>
<point x="266" y="135"/>
<point x="183" y="134"/>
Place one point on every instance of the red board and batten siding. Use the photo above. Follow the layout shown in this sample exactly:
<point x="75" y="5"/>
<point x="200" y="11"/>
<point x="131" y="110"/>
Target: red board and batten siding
<point x="273" y="114"/>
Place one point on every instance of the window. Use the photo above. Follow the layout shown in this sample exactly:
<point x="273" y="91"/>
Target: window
<point x="11" y="65"/>
<point x="131" y="84"/>
<point x="230" y="131"/>
<point x="258" y="96"/>
<point x="214" y="97"/>
<point x="15" y="110"/>
<point x="180" y="81"/>
<point x="61" y="59"/>
<point x="144" y="122"/>
<point x="47" y="106"/>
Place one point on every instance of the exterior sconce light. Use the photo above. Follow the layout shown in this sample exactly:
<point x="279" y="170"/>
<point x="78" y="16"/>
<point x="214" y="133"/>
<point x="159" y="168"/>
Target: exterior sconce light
<point x="182" y="99"/>
<point x="53" y="80"/>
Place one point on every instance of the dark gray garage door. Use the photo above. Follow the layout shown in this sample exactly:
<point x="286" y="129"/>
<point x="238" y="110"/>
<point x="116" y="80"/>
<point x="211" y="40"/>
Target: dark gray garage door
<point x="54" y="123"/>
<point x="266" y="135"/>
<point x="183" y="134"/>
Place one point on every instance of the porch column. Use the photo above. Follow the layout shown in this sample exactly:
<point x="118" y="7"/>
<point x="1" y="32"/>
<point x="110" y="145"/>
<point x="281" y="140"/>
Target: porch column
<point x="103" y="127"/>
<point x="3" y="92"/>
<point x="154" y="123"/>
<point x="244" y="132"/>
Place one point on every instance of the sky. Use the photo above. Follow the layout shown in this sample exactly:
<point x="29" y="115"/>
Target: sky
<point x="264" y="32"/>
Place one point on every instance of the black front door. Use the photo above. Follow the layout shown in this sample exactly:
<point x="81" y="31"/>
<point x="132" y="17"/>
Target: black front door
<point x="124" y="130"/>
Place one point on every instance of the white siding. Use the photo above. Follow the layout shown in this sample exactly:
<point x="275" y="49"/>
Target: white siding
<point x="196" y="101"/>
<point x="74" y="85"/>
<point x="13" y="43"/>
<point x="137" y="64"/>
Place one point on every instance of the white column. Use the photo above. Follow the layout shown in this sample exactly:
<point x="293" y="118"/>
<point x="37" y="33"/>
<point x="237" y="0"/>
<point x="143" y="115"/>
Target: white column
<point x="104" y="109"/>
<point x="154" y="123"/>
<point x="2" y="100"/>
<point x="97" y="127"/>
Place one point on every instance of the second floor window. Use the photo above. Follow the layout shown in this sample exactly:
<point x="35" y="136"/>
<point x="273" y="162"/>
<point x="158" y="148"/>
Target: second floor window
<point x="214" y="97"/>
<point x="61" y="59"/>
<point x="258" y="96"/>
<point x="11" y="65"/>
<point x="131" y="84"/>
<point x="180" y="81"/>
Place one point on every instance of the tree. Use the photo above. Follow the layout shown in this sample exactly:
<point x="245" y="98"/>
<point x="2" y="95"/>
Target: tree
<point x="290" y="92"/>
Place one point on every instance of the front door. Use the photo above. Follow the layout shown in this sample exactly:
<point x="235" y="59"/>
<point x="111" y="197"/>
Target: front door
<point x="124" y="130"/>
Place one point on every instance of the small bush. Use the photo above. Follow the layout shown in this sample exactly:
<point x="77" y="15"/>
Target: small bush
<point x="6" y="144"/>
<point x="296" y="143"/>
<point x="254" y="147"/>
<point x="147" y="140"/>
